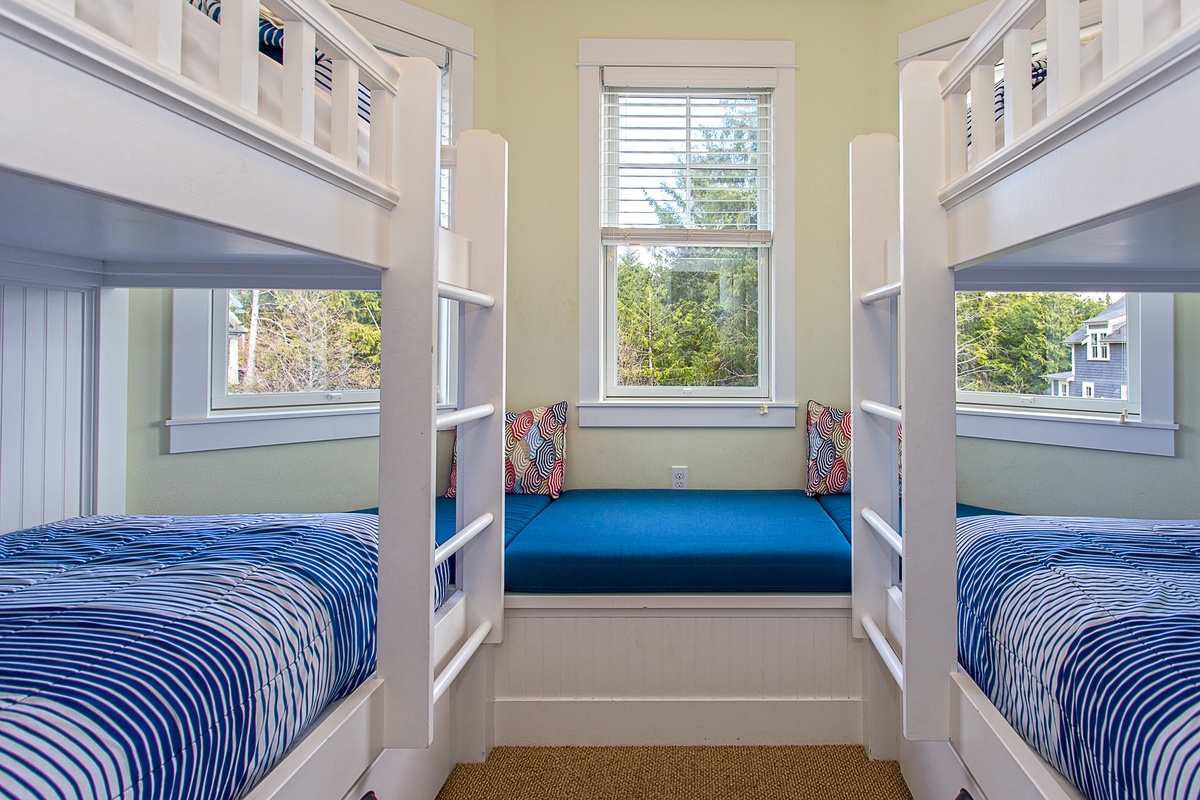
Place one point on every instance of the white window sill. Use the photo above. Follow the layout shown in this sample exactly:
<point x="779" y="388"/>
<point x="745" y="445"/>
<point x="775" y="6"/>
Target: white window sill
<point x="225" y="430"/>
<point x="1091" y="432"/>
<point x="229" y="430"/>
<point x="686" y="414"/>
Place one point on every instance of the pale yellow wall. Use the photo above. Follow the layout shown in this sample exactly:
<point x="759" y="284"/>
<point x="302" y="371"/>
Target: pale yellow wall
<point x="527" y="90"/>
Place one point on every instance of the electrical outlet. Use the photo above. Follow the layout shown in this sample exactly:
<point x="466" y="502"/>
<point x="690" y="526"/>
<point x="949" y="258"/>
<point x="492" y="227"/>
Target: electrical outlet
<point x="678" y="477"/>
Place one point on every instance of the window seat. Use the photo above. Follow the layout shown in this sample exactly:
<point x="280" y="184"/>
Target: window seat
<point x="663" y="540"/>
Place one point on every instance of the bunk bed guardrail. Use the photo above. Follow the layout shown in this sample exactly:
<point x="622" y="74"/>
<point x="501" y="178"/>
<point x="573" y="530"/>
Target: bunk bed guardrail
<point x="1137" y="39"/>
<point x="158" y="32"/>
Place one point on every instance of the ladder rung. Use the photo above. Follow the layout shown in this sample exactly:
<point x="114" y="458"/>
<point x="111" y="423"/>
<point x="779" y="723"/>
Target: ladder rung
<point x="460" y="539"/>
<point x="453" y="419"/>
<point x="882" y="293"/>
<point x="449" y="291"/>
<point x="447" y="676"/>
<point x="886" y="532"/>
<point x="884" y="648"/>
<point x="881" y="410"/>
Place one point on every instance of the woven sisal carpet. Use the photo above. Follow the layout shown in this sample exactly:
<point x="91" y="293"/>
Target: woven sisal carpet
<point x="828" y="772"/>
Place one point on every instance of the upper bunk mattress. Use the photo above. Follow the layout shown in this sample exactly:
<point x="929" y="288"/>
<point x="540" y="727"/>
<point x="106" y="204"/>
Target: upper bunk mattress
<point x="663" y="540"/>
<point x="152" y="657"/>
<point x="1085" y="634"/>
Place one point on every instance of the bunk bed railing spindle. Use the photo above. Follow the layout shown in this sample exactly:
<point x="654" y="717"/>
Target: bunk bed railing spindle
<point x="158" y="31"/>
<point x="1124" y="33"/>
<point x="237" y="68"/>
<point x="1018" y="94"/>
<point x="343" y="142"/>
<point x="299" y="87"/>
<point x="1062" y="53"/>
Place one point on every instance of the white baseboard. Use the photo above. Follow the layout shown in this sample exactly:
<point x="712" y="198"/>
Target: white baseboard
<point x="629" y="722"/>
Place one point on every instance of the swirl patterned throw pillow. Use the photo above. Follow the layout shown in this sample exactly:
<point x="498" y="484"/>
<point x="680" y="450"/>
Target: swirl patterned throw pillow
<point x="828" y="432"/>
<point x="535" y="451"/>
<point x="535" y="448"/>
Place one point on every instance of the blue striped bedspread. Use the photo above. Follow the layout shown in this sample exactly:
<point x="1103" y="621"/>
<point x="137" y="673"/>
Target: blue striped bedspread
<point x="1085" y="634"/>
<point x="176" y="657"/>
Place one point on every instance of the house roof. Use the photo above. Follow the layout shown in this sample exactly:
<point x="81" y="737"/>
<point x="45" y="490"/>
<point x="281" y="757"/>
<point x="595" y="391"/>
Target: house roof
<point x="1114" y="315"/>
<point x="1060" y="376"/>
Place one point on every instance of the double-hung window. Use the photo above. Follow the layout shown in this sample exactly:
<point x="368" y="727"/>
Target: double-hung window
<point x="686" y="232"/>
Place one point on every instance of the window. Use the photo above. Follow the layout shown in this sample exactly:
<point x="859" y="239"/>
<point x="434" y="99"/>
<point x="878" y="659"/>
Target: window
<point x="1091" y="370"/>
<point x="1097" y="344"/>
<point x="686" y="270"/>
<point x="258" y="367"/>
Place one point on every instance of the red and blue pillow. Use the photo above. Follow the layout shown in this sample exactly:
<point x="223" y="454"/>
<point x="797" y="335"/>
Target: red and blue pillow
<point x="828" y="432"/>
<point x="535" y="451"/>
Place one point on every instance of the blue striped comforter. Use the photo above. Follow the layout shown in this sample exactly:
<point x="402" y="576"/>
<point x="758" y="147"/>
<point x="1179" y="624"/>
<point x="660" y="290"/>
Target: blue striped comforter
<point x="176" y="657"/>
<point x="1085" y="634"/>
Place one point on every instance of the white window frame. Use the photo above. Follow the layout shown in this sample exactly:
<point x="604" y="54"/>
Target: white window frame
<point x="1074" y="422"/>
<point x="1088" y="390"/>
<point x="667" y="63"/>
<point x="1096" y="349"/>
<point x="194" y="424"/>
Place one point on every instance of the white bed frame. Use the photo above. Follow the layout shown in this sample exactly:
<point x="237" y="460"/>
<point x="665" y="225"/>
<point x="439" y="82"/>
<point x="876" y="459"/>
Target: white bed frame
<point x="1089" y="198"/>
<point x="116" y="170"/>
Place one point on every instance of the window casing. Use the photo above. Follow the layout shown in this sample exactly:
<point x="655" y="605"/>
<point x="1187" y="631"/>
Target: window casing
<point x="687" y="197"/>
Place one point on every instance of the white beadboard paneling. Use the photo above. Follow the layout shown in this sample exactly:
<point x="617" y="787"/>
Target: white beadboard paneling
<point x="677" y="654"/>
<point x="45" y="398"/>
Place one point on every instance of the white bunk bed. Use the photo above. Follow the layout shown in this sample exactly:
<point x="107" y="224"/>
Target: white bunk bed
<point x="1091" y="192"/>
<point x="124" y="164"/>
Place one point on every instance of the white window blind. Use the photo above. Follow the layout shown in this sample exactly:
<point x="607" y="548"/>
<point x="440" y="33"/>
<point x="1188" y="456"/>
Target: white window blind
<point x="686" y="165"/>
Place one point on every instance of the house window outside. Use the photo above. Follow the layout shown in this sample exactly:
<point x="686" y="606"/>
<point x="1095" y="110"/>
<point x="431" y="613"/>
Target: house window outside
<point x="1089" y="389"/>
<point x="686" y="234"/>
<point x="1097" y="347"/>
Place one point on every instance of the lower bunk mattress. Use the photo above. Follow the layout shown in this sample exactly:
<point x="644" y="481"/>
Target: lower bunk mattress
<point x="1085" y="634"/>
<point x="155" y="657"/>
<point x="663" y="540"/>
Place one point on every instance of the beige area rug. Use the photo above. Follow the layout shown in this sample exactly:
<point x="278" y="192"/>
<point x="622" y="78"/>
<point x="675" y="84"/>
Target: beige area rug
<point x="826" y="772"/>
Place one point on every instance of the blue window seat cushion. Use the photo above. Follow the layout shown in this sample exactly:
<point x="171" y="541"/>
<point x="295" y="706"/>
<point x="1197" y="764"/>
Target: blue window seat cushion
<point x="662" y="540"/>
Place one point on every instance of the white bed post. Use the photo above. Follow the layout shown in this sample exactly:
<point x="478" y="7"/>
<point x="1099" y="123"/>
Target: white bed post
<point x="927" y="397"/>
<point x="407" y="428"/>
<point x="481" y="215"/>
<point x="874" y="220"/>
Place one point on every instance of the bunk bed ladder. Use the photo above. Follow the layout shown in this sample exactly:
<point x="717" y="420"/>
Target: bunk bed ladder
<point x="906" y="610"/>
<point x="876" y="546"/>
<point x="428" y="263"/>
